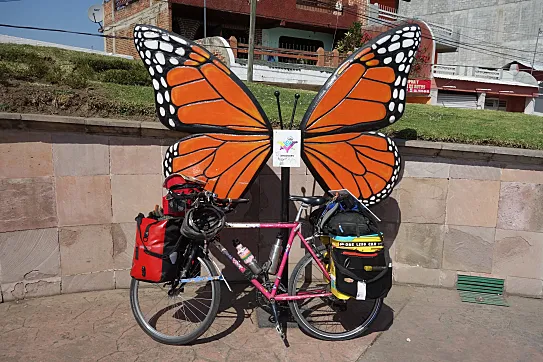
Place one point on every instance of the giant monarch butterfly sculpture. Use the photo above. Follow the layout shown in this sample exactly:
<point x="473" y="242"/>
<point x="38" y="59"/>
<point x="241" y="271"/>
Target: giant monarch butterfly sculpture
<point x="231" y="137"/>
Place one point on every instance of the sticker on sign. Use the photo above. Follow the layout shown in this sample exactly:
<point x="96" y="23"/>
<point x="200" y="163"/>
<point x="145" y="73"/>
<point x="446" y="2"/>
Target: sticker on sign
<point x="287" y="145"/>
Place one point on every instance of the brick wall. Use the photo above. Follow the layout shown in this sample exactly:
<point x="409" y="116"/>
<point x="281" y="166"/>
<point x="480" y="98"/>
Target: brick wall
<point x="67" y="217"/>
<point x="121" y="23"/>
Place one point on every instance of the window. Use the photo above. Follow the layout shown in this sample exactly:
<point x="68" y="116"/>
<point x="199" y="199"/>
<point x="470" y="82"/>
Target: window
<point x="495" y="104"/>
<point x="119" y="4"/>
<point x="308" y="45"/>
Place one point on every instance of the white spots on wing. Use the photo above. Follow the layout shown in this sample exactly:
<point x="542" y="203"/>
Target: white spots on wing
<point x="163" y="81"/>
<point x="174" y="61"/>
<point x="178" y="39"/>
<point x="165" y="37"/>
<point x="399" y="57"/>
<point x="391" y="106"/>
<point x="381" y="51"/>
<point x="142" y="54"/>
<point x="406" y="28"/>
<point x="394" y="38"/>
<point x="160" y="58"/>
<point x="407" y="69"/>
<point x="172" y="109"/>
<point x="387" y="60"/>
<point x="165" y="163"/>
<point x="400" y="108"/>
<point x="151" y="71"/>
<point x="171" y="123"/>
<point x="411" y="52"/>
<point x="151" y="44"/>
<point x="151" y="35"/>
<point x="409" y="35"/>
<point x="159" y="99"/>
<point x="413" y="28"/>
<point x="162" y="111"/>
<point x="167" y="47"/>
<point x="147" y="61"/>
<point x="398" y="81"/>
<point x="383" y="39"/>
<point x="395" y="94"/>
<point x="401" y="67"/>
<point x="407" y="43"/>
<point x="393" y="47"/>
<point x="402" y="95"/>
<point x="158" y="69"/>
<point x="180" y="51"/>
<point x="147" y="54"/>
<point x="167" y="96"/>
<point x="156" y="85"/>
<point x="404" y="81"/>
<point x="374" y="46"/>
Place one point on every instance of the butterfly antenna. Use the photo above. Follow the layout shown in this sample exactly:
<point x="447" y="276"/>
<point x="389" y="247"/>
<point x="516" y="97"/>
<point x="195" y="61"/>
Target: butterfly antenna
<point x="296" y="97"/>
<point x="277" y="94"/>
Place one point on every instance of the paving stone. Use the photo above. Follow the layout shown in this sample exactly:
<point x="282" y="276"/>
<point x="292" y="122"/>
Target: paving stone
<point x="518" y="253"/>
<point x="407" y="274"/>
<point x="425" y="169"/>
<point x="420" y="245"/>
<point x="30" y="289"/>
<point x="448" y="278"/>
<point x="86" y="282"/>
<point x="473" y="203"/>
<point x="122" y="279"/>
<point x="29" y="255"/>
<point x="468" y="248"/>
<point x="422" y="200"/>
<point x="525" y="176"/>
<point x="85" y="249"/>
<point x="135" y="156"/>
<point x="475" y="172"/>
<point x="27" y="204"/>
<point x="133" y="194"/>
<point x="83" y="200"/>
<point x="25" y="154"/>
<point x="524" y="286"/>
<point x="80" y="154"/>
<point x="520" y="206"/>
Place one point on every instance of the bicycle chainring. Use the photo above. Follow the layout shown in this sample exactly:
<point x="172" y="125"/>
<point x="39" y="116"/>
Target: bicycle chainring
<point x="264" y="302"/>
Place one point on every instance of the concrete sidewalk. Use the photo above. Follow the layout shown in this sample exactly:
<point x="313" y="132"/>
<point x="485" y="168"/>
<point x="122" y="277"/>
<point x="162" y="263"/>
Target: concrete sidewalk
<point x="417" y="324"/>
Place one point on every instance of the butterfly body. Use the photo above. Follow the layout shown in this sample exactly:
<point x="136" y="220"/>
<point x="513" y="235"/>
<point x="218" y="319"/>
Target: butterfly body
<point x="231" y="136"/>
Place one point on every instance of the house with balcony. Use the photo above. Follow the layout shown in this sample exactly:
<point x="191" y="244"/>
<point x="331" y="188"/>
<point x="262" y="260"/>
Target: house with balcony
<point x="304" y="25"/>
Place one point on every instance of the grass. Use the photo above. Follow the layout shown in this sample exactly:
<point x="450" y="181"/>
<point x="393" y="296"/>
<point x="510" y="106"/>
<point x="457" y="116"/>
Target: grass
<point x="117" y="88"/>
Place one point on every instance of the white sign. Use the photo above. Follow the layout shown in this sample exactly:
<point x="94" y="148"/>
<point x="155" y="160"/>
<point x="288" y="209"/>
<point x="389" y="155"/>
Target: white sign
<point x="286" y="148"/>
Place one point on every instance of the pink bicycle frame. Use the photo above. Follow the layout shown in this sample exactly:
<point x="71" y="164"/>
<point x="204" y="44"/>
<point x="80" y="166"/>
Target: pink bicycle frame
<point x="294" y="231"/>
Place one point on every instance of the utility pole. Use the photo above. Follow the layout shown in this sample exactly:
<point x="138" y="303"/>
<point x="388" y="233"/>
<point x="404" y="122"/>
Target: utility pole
<point x="539" y="33"/>
<point x="251" y="41"/>
<point x="205" y="20"/>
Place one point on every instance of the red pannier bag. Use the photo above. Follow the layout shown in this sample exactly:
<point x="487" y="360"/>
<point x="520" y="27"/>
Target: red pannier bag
<point x="180" y="188"/>
<point x="157" y="249"/>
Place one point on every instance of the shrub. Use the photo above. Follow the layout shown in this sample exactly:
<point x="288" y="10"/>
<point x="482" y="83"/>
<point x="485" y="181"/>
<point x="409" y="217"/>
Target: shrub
<point x="76" y="80"/>
<point x="126" y="77"/>
<point x="102" y="63"/>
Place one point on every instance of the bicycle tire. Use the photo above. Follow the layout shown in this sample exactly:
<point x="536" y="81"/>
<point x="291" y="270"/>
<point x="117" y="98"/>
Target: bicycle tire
<point x="185" y="339"/>
<point x="311" y="330"/>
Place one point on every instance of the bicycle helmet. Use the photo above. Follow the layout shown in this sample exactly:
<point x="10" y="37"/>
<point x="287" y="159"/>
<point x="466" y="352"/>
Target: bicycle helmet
<point x="203" y="222"/>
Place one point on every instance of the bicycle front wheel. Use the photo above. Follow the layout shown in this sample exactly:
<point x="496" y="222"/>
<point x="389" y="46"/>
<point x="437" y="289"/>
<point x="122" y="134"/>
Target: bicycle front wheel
<point x="327" y="318"/>
<point x="181" y="315"/>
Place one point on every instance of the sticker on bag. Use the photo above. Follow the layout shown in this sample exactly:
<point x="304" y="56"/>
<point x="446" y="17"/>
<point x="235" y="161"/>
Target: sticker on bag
<point x="361" y="291"/>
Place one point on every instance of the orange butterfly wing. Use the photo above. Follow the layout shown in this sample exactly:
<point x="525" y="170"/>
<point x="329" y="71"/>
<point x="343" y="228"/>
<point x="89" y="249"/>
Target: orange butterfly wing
<point x="228" y="162"/>
<point x="196" y="93"/>
<point x="367" y="92"/>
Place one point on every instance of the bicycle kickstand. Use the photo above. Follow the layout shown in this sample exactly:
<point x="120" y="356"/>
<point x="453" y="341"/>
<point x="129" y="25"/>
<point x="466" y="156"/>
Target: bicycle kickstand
<point x="278" y="327"/>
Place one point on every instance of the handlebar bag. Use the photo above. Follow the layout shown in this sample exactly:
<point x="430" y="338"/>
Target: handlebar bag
<point x="157" y="249"/>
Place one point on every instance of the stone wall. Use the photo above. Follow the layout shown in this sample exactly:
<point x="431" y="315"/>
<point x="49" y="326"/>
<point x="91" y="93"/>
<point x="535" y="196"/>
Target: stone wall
<point x="71" y="187"/>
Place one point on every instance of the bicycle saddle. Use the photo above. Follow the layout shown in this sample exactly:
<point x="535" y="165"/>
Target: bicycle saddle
<point x="310" y="200"/>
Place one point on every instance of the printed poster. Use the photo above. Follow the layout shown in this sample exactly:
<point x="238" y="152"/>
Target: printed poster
<point x="287" y="145"/>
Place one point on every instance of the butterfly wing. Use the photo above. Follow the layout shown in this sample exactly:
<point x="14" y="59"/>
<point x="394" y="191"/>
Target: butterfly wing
<point x="230" y="135"/>
<point x="367" y="92"/>
<point x="227" y="162"/>
<point x="194" y="91"/>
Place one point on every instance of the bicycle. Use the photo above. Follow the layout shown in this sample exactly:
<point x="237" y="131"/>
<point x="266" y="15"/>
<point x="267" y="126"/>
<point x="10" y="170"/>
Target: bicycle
<point x="186" y="306"/>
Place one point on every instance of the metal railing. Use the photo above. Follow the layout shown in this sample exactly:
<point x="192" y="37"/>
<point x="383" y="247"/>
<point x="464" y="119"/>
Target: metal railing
<point x="482" y="73"/>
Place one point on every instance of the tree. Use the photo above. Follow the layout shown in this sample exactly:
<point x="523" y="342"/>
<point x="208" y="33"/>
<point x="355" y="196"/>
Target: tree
<point x="354" y="38"/>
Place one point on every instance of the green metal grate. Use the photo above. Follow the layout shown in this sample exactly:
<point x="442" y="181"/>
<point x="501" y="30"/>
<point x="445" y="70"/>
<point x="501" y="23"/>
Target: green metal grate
<point x="481" y="290"/>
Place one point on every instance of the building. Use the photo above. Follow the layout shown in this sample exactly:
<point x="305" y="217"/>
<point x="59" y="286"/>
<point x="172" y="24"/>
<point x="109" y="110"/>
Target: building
<point x="291" y="24"/>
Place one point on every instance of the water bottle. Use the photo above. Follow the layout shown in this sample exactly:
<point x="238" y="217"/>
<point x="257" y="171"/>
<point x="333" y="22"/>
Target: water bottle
<point x="247" y="257"/>
<point x="275" y="254"/>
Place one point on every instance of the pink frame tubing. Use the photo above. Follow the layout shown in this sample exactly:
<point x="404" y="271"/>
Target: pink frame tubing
<point x="294" y="230"/>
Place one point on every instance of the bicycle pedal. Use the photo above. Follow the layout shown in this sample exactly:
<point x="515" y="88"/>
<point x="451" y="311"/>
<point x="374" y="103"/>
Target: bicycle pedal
<point x="279" y="330"/>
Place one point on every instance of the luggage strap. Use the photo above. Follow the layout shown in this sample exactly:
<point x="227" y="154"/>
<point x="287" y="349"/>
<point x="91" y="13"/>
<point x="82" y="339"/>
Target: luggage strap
<point x="352" y="275"/>
<point x="145" y="238"/>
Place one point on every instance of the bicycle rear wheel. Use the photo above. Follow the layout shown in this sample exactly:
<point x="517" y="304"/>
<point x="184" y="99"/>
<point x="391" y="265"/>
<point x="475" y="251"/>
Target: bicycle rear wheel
<point x="327" y="318"/>
<point x="181" y="316"/>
